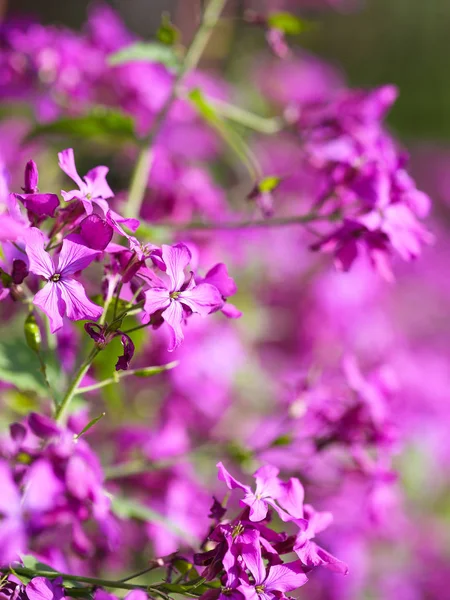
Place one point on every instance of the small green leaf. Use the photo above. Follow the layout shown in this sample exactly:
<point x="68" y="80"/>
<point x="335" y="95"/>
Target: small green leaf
<point x="90" y="424"/>
<point x="282" y="440"/>
<point x="22" y="368"/>
<point x="151" y="371"/>
<point x="269" y="183"/>
<point x="32" y="333"/>
<point x="101" y="124"/>
<point x="146" y="52"/>
<point x="287" y="23"/>
<point x="31" y="562"/>
<point x="167" y="33"/>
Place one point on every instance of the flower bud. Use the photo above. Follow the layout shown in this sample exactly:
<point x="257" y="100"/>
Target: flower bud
<point x="32" y="333"/>
<point x="31" y="178"/>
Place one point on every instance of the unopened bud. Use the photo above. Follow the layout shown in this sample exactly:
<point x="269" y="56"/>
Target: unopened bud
<point x="31" y="178"/>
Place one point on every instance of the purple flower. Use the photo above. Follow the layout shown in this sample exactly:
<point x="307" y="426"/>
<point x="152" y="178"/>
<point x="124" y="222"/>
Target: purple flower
<point x="62" y="294"/>
<point x="310" y="554"/>
<point x="219" y="278"/>
<point x="269" y="492"/>
<point x="93" y="191"/>
<point x="41" y="588"/>
<point x="38" y="205"/>
<point x="272" y="583"/>
<point x="173" y="296"/>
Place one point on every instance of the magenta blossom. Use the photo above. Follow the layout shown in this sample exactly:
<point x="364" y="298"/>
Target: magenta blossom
<point x="62" y="294"/>
<point x="174" y="297"/>
<point x="93" y="189"/>
<point x="270" y="491"/>
<point x="273" y="582"/>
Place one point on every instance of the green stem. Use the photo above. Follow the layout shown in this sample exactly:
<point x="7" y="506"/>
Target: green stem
<point x="72" y="390"/>
<point x="142" y="170"/>
<point x="143" y="372"/>
<point x="92" y="581"/>
<point x="251" y="224"/>
<point x="266" y="125"/>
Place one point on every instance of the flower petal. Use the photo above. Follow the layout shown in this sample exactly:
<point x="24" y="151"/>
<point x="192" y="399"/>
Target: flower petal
<point x="43" y="205"/>
<point x="218" y="276"/>
<point x="202" y="299"/>
<point x="231" y="482"/>
<point x="40" y="260"/>
<point x="251" y="554"/>
<point x="98" y="186"/>
<point x="173" y="316"/>
<point x="285" y="578"/>
<point x="49" y="300"/>
<point x="156" y="299"/>
<point x="78" y="305"/>
<point x="66" y="161"/>
<point x="74" y="257"/>
<point x="96" y="232"/>
<point x="176" y="258"/>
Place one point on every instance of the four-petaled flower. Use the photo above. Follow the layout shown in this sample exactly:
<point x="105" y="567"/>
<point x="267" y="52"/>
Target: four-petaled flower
<point x="174" y="296"/>
<point x="62" y="294"/>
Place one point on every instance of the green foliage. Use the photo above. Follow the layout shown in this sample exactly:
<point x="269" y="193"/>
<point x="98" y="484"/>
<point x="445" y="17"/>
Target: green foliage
<point x="151" y="371"/>
<point x="146" y="52"/>
<point x="90" y="424"/>
<point x="31" y="562"/>
<point x="269" y="183"/>
<point x="21" y="367"/>
<point x="167" y="33"/>
<point x="101" y="125"/>
<point x="287" y="23"/>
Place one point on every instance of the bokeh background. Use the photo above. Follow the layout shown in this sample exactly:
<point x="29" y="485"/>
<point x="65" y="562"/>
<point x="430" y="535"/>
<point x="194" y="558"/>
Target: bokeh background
<point x="369" y="42"/>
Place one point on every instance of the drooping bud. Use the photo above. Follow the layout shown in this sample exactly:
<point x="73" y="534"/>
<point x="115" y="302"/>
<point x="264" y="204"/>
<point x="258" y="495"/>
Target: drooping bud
<point x="31" y="178"/>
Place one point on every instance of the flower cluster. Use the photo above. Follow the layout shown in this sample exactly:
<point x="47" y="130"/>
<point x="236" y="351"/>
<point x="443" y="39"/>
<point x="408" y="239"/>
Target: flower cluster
<point x="243" y="544"/>
<point x="52" y="481"/>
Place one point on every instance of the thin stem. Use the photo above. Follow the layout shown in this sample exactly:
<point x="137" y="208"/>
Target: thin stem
<point x="267" y="125"/>
<point x="143" y="372"/>
<point x="142" y="170"/>
<point x="251" y="224"/>
<point x="81" y="579"/>
<point x="72" y="390"/>
<point x="137" y="327"/>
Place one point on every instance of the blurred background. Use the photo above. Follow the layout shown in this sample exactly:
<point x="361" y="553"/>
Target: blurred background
<point x="296" y="316"/>
<point x="375" y="41"/>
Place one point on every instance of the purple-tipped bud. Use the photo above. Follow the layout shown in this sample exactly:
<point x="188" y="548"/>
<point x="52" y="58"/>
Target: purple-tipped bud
<point x="31" y="178"/>
<point x="123" y="362"/>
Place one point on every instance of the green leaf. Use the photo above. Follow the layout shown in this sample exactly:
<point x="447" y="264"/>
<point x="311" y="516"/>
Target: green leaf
<point x="31" y="562"/>
<point x="102" y="124"/>
<point x="90" y="424"/>
<point x="20" y="366"/>
<point x="287" y="23"/>
<point x="167" y="33"/>
<point x="269" y="183"/>
<point x="125" y="508"/>
<point x="146" y="52"/>
<point x="151" y="371"/>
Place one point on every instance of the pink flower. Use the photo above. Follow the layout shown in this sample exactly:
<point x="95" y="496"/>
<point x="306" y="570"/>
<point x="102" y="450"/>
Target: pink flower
<point x="62" y="294"/>
<point x="269" y="492"/>
<point x="93" y="190"/>
<point x="174" y="296"/>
